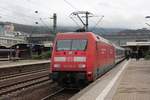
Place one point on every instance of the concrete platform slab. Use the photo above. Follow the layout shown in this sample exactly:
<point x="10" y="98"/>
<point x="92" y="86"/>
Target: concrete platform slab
<point x="135" y="84"/>
<point x="7" y="64"/>
<point x="100" y="89"/>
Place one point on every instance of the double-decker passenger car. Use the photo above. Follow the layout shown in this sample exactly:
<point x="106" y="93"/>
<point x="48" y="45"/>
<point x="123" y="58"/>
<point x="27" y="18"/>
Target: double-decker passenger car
<point x="81" y="57"/>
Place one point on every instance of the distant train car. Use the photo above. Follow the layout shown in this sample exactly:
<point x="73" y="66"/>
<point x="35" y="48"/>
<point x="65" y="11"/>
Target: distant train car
<point x="5" y="52"/>
<point x="81" y="57"/>
<point x="119" y="54"/>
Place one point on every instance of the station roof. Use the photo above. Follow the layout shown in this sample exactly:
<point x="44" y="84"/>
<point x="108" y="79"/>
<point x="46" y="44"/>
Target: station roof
<point x="42" y="35"/>
<point x="138" y="44"/>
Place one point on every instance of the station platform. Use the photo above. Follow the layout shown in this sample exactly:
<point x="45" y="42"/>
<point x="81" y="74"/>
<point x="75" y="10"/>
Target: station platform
<point x="135" y="84"/>
<point x="4" y="59"/>
<point x="7" y="64"/>
<point x="129" y="80"/>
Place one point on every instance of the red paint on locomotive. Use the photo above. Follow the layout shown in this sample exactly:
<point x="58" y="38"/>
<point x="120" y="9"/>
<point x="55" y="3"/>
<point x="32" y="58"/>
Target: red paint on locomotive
<point x="85" y="55"/>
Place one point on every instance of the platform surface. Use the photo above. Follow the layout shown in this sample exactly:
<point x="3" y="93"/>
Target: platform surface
<point x="135" y="84"/>
<point x="7" y="64"/>
<point x="129" y="80"/>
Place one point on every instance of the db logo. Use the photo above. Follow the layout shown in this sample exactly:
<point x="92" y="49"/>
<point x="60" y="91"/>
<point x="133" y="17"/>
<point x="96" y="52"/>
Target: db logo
<point x="70" y="52"/>
<point x="69" y="59"/>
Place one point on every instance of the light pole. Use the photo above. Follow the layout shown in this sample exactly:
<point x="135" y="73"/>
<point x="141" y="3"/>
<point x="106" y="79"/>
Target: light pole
<point x="147" y="24"/>
<point x="54" y="22"/>
<point x="147" y="18"/>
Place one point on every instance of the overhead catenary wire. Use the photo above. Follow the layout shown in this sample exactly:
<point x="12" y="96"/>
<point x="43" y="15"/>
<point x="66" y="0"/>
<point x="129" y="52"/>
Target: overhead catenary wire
<point x="44" y="23"/>
<point x="19" y="14"/>
<point x="75" y="21"/>
<point x="70" y="4"/>
<point x="24" y="17"/>
<point x="102" y="29"/>
<point x="97" y="23"/>
<point x="81" y="16"/>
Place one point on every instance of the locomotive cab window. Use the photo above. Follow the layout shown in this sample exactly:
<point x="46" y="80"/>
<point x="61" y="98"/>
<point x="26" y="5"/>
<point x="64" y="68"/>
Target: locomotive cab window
<point x="71" y="45"/>
<point x="63" y="45"/>
<point x="79" y="44"/>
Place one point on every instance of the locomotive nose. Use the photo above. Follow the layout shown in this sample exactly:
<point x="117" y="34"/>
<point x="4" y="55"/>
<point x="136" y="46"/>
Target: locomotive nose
<point x="71" y="63"/>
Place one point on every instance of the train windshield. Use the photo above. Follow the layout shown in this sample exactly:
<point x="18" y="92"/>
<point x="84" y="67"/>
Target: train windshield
<point x="71" y="44"/>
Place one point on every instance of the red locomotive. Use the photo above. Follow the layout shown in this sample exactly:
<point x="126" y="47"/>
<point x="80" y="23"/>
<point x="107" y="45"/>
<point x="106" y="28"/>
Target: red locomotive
<point x="81" y="57"/>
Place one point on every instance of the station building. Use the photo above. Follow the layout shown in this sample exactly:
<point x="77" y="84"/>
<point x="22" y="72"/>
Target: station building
<point x="9" y="37"/>
<point x="138" y="41"/>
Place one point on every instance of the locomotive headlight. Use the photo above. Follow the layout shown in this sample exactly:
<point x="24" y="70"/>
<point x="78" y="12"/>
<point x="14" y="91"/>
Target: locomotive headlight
<point x="60" y="59"/>
<point x="79" y="59"/>
<point x="82" y="66"/>
<point x="56" y="65"/>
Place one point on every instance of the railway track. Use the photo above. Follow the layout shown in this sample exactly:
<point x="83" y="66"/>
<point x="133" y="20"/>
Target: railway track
<point x="53" y="94"/>
<point x="23" y="78"/>
<point x="22" y="85"/>
<point x="20" y="74"/>
<point x="18" y="83"/>
<point x="17" y="86"/>
<point x="61" y="94"/>
<point x="17" y="70"/>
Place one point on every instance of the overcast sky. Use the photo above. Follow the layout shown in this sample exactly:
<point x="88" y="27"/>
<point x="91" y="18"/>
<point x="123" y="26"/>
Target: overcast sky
<point x="117" y="13"/>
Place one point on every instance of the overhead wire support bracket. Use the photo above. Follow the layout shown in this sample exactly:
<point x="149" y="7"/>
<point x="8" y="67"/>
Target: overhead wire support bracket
<point x="81" y="15"/>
